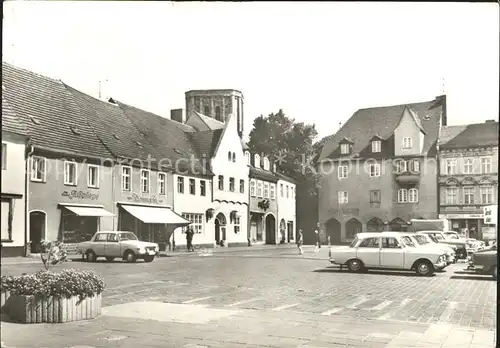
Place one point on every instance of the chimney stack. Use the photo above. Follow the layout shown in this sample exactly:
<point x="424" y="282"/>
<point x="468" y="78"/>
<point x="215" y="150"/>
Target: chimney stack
<point x="178" y="115"/>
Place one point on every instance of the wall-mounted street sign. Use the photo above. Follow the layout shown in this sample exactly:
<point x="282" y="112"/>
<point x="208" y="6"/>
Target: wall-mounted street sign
<point x="490" y="214"/>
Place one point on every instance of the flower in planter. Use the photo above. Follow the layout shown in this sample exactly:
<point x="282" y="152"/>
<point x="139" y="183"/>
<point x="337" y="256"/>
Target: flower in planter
<point x="52" y="253"/>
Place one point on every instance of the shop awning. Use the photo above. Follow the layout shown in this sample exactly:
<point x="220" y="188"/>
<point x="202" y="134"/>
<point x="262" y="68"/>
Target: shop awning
<point x="156" y="215"/>
<point x="88" y="211"/>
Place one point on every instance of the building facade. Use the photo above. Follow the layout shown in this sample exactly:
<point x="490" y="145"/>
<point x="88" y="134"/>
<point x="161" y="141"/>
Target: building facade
<point x="379" y="171"/>
<point x="287" y="215"/>
<point x="468" y="176"/>
<point x="13" y="211"/>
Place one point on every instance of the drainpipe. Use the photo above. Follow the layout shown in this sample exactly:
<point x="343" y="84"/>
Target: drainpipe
<point x="114" y="171"/>
<point x="27" y="245"/>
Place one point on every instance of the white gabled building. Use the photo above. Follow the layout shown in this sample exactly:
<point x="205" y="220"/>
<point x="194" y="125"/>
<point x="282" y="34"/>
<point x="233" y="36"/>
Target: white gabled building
<point x="286" y="189"/>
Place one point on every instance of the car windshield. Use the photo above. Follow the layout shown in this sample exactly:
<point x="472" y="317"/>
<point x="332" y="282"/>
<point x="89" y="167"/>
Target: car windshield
<point x="421" y="240"/>
<point x="407" y="241"/>
<point x="127" y="236"/>
<point x="451" y="236"/>
<point x="438" y="236"/>
<point x="354" y="242"/>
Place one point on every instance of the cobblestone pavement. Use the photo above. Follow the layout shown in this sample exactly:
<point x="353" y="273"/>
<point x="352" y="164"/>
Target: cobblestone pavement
<point x="273" y="297"/>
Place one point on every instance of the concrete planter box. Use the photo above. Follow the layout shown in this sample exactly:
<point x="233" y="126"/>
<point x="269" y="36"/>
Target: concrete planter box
<point x="4" y="295"/>
<point x="30" y="310"/>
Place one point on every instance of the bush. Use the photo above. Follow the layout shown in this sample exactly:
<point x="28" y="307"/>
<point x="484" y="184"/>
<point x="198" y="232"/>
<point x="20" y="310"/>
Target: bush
<point x="66" y="283"/>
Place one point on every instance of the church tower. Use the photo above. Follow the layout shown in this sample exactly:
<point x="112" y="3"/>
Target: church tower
<point x="217" y="104"/>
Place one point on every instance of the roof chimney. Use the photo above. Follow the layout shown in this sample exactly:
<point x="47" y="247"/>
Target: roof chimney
<point x="178" y="115"/>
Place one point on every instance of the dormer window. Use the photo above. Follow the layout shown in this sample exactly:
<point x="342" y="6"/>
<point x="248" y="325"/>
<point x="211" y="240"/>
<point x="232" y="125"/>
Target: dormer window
<point x="376" y="146"/>
<point x="257" y="161"/>
<point x="344" y="149"/>
<point x="407" y="143"/>
<point x="266" y="163"/>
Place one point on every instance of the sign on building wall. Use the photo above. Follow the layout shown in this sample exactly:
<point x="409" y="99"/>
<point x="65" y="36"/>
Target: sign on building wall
<point x="490" y="214"/>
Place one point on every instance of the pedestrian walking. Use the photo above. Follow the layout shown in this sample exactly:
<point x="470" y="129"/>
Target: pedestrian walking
<point x="318" y="241"/>
<point x="300" y="240"/>
<point x="189" y="239"/>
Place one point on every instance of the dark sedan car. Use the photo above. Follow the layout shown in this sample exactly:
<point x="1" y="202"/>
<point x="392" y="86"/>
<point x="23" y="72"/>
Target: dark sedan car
<point x="485" y="261"/>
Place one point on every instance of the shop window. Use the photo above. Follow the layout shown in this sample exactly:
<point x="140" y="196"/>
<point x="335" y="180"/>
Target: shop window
<point x="196" y="222"/>
<point x="180" y="184"/>
<point x="162" y="178"/>
<point x="192" y="186"/>
<point x="92" y="176"/>
<point x="38" y="169"/>
<point x="242" y="186"/>
<point x="77" y="229"/>
<point x="126" y="178"/>
<point x="144" y="180"/>
<point x="70" y="174"/>
<point x="203" y="188"/>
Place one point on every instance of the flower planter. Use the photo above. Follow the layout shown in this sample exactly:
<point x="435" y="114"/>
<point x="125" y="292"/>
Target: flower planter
<point x="29" y="310"/>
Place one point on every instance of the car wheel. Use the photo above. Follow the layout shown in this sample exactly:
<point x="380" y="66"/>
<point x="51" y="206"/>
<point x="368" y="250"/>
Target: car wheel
<point x="129" y="256"/>
<point x="110" y="259"/>
<point x="149" y="258"/>
<point x="424" y="268"/>
<point x="494" y="272"/>
<point x="91" y="256"/>
<point x="355" y="265"/>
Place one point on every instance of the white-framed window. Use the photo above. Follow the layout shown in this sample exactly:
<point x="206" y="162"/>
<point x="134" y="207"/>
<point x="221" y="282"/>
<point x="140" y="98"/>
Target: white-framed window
<point x="192" y="186"/>
<point x="266" y="190"/>
<point x="273" y="190"/>
<point x="126" y="178"/>
<point x="469" y="195"/>
<point x="281" y="191"/>
<point x="343" y="197"/>
<point x="221" y="182"/>
<point x="468" y="167"/>
<point x="92" y="175"/>
<point x="451" y="195"/>
<point x="343" y="172"/>
<point x="407" y="143"/>
<point x="266" y="163"/>
<point x="451" y="167"/>
<point x="70" y="173"/>
<point x="376" y="146"/>
<point x="486" y="165"/>
<point x="203" y="188"/>
<point x="256" y="160"/>
<point x="344" y="149"/>
<point x="38" y="172"/>
<point x="415" y="166"/>
<point x="180" y="184"/>
<point x="162" y="178"/>
<point x="4" y="156"/>
<point x="196" y="222"/>
<point x="401" y="166"/>
<point x="252" y="187"/>
<point x="374" y="170"/>
<point x="231" y="184"/>
<point x="242" y="186"/>
<point x="486" y="195"/>
<point x="413" y="195"/>
<point x="402" y="196"/>
<point x="259" y="188"/>
<point x="144" y="180"/>
<point x="236" y="224"/>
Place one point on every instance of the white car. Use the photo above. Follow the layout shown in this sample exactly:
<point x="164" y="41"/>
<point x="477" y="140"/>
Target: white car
<point x="123" y="244"/>
<point x="424" y="239"/>
<point x="387" y="250"/>
<point x="456" y="243"/>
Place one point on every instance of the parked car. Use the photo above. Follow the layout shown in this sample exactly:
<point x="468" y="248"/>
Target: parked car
<point x="112" y="244"/>
<point x="485" y="261"/>
<point x="387" y="250"/>
<point x="424" y="240"/>
<point x="458" y="244"/>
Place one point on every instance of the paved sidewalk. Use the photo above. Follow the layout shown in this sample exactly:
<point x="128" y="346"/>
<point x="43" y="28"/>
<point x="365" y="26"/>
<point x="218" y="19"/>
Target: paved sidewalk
<point x="158" y="324"/>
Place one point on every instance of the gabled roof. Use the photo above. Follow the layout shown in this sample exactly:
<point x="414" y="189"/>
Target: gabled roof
<point x="49" y="111"/>
<point x="211" y="123"/>
<point x="471" y="135"/>
<point x="206" y="142"/>
<point x="10" y="122"/>
<point x="167" y="138"/>
<point x="364" y="124"/>
<point x="262" y="174"/>
<point x="416" y="119"/>
<point x="285" y="178"/>
<point x="114" y="129"/>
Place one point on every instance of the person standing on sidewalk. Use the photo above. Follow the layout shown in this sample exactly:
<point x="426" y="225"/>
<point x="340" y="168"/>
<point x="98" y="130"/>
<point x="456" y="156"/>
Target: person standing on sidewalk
<point x="318" y="241"/>
<point x="300" y="240"/>
<point x="189" y="239"/>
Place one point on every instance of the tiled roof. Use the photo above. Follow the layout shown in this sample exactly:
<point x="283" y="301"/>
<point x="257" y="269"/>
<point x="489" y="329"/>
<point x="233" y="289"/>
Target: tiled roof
<point x="285" y="178"/>
<point x="168" y="138"/>
<point x="113" y="128"/>
<point x="206" y="142"/>
<point x="10" y="122"/>
<point x="417" y="120"/>
<point x="211" y="123"/>
<point x="472" y="135"/>
<point x="381" y="121"/>
<point x="49" y="112"/>
<point x="262" y="174"/>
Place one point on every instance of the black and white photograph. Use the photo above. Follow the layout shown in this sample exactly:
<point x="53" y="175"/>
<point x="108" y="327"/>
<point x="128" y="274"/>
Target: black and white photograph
<point x="212" y="174"/>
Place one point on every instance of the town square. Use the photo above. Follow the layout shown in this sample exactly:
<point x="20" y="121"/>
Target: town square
<point x="213" y="174"/>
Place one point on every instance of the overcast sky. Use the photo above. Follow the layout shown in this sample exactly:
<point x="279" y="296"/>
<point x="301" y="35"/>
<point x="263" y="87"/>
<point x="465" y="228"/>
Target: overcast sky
<point x="319" y="62"/>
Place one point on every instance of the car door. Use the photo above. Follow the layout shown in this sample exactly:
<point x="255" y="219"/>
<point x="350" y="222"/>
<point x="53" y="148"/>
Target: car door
<point x="99" y="244"/>
<point x="391" y="253"/>
<point x="112" y="246"/>
<point x="368" y="251"/>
